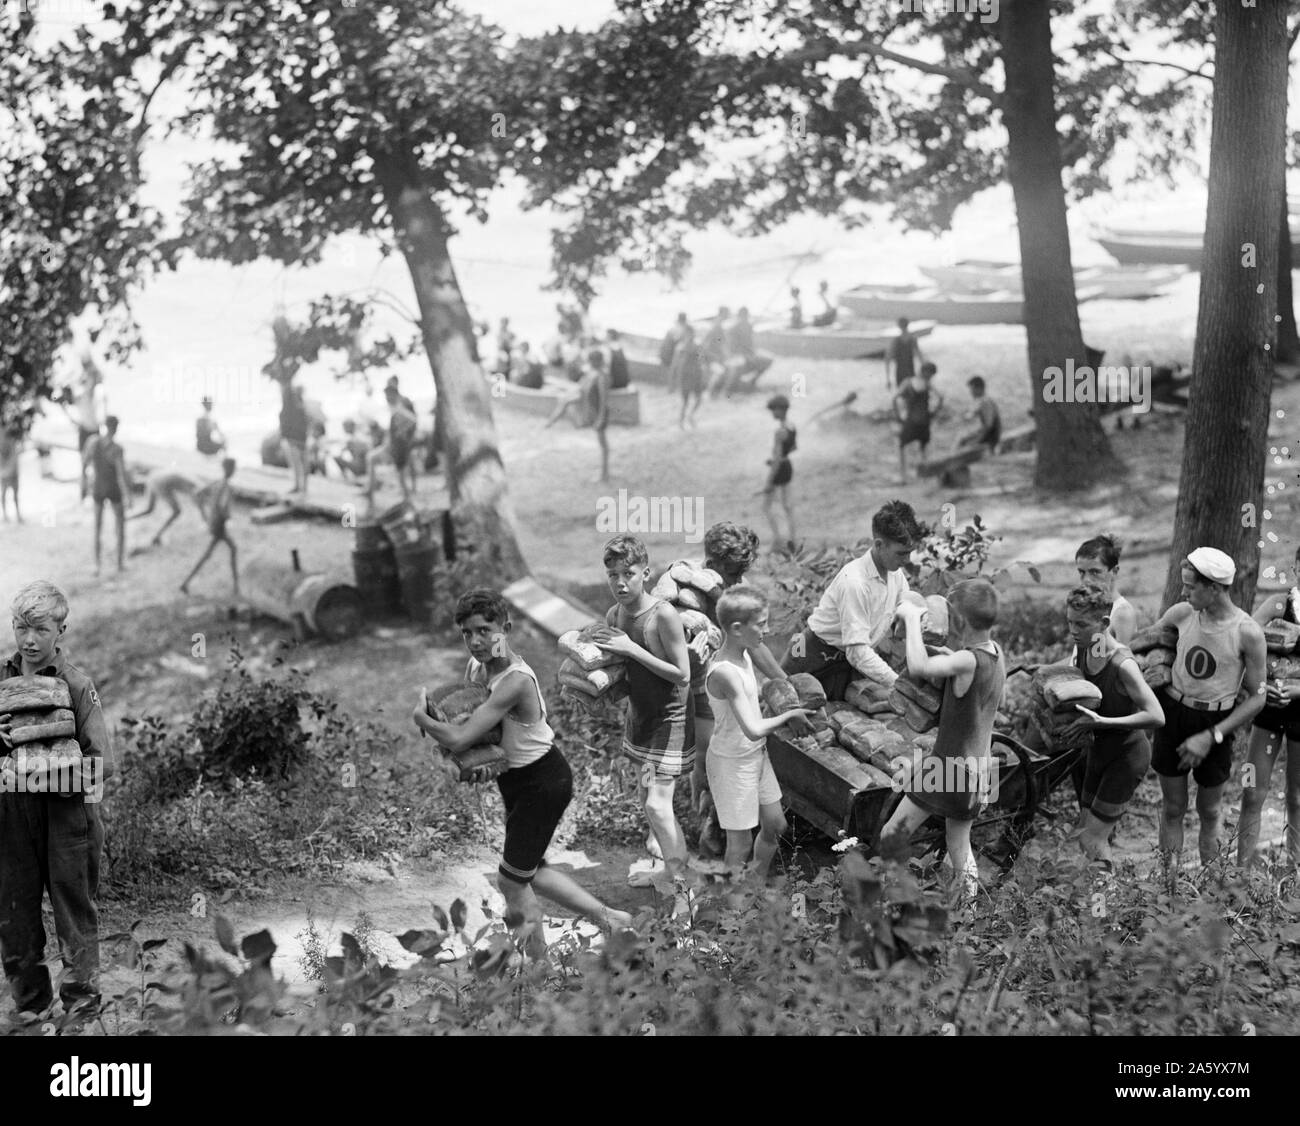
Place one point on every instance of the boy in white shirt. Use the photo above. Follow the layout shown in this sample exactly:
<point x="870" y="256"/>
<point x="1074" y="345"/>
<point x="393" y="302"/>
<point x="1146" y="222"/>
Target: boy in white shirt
<point x="857" y="609"/>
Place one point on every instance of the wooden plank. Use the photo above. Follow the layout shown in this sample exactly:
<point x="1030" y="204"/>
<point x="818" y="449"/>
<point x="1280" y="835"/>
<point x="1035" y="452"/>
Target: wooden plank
<point x="553" y="613"/>
<point x="272" y="513"/>
<point x="952" y="461"/>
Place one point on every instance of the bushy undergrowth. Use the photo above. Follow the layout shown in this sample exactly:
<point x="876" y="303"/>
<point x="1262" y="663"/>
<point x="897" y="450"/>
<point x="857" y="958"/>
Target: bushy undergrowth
<point x="869" y="949"/>
<point x="191" y="813"/>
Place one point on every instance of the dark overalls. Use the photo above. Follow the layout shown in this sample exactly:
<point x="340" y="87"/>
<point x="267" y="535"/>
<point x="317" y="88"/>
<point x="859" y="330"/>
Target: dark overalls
<point x="53" y="844"/>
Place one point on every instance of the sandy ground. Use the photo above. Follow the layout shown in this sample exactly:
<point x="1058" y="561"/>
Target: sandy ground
<point x="137" y="634"/>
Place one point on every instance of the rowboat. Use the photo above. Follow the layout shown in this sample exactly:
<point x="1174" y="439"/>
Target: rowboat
<point x="846" y="339"/>
<point x="1171" y="248"/>
<point x="916" y="302"/>
<point x="624" y="403"/>
<point x="1117" y="283"/>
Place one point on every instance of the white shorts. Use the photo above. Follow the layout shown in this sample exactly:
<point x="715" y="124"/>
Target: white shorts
<point x="739" y="786"/>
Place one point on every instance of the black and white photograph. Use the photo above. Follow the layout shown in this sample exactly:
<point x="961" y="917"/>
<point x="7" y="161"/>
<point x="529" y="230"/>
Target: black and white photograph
<point x="651" y="518"/>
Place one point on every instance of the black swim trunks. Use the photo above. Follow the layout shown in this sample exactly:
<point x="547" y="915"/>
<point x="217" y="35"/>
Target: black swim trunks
<point x="1182" y="722"/>
<point x="535" y="798"/>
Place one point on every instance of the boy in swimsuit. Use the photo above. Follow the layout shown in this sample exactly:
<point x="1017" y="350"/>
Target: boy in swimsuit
<point x="165" y="485"/>
<point x="1120" y="753"/>
<point x="660" y="731"/>
<point x="973" y="678"/>
<point x="741" y="779"/>
<point x="536" y="785"/>
<point x="780" y="471"/>
<point x="110" y="485"/>
<point x="1220" y="651"/>
<point x="1277" y="728"/>
<point x="988" y="428"/>
<point x="214" y="502"/>
<point x="11" y="446"/>
<point x="915" y="405"/>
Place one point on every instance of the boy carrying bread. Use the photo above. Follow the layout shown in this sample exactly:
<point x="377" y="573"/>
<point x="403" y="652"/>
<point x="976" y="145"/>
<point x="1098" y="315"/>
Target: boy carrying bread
<point x="536" y="785"/>
<point x="50" y="841"/>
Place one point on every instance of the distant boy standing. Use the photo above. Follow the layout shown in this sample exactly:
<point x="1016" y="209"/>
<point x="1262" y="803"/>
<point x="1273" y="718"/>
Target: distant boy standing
<point x="110" y="485"/>
<point x="901" y="356"/>
<point x="973" y="678"/>
<point x="208" y="439"/>
<point x="915" y="405"/>
<point x="660" y="730"/>
<point x="780" y="472"/>
<point x="48" y="842"/>
<point x="214" y="502"/>
<point x="11" y="446"/>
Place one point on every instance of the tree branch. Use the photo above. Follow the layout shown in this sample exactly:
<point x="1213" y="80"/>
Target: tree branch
<point x="1198" y="73"/>
<point x="958" y="75"/>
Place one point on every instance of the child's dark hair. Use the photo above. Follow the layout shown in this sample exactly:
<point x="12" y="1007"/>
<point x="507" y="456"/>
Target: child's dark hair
<point x="929" y="370"/>
<point x="227" y="465"/>
<point x="732" y="545"/>
<point x="1105" y="548"/>
<point x="976" y="384"/>
<point x="625" y="549"/>
<point x="896" y="521"/>
<point x="483" y="602"/>
<point x="976" y="603"/>
<point x="1089" y="599"/>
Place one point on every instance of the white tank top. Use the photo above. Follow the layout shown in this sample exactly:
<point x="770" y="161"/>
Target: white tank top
<point x="523" y="743"/>
<point x="729" y="740"/>
<point x="1209" y="666"/>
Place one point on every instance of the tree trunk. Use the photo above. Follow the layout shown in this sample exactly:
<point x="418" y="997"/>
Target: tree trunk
<point x="476" y="475"/>
<point x="1220" y="497"/>
<point x="1288" y="339"/>
<point x="1073" y="451"/>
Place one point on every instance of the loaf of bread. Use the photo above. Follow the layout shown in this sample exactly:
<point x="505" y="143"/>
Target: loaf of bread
<point x="916" y="717"/>
<point x="809" y="690"/>
<point x="33" y="694"/>
<point x="1158" y="676"/>
<point x="1075" y="691"/>
<point x="455" y="703"/>
<point x="30" y="727"/>
<point x="594" y="681"/>
<point x="579" y="647"/>
<point x="1153" y="637"/>
<point x="1281" y="636"/>
<point x="703" y="579"/>
<point x="779" y="696"/>
<point x="665" y="588"/>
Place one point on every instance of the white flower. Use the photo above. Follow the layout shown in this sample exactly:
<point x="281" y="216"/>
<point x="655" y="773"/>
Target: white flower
<point x="844" y="845"/>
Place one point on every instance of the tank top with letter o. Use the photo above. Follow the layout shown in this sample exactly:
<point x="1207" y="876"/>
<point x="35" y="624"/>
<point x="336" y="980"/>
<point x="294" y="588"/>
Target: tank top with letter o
<point x="1208" y="666"/>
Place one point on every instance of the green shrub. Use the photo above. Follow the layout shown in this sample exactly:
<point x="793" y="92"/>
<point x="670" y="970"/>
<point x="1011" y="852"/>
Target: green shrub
<point x="252" y="725"/>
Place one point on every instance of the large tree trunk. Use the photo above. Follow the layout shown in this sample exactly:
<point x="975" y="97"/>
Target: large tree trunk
<point x="475" y="472"/>
<point x="1220" y="496"/>
<point x="1288" y="339"/>
<point x="1073" y="451"/>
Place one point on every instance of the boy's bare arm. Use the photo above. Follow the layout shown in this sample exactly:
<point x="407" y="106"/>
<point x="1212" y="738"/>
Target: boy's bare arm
<point x="919" y="662"/>
<point x="749" y="719"/>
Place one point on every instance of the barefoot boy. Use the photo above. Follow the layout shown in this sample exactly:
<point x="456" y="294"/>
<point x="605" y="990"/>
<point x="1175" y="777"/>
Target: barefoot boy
<point x="214" y="502"/>
<point x="110" y="485"/>
<point x="744" y="786"/>
<point x="776" y="490"/>
<point x="169" y="486"/>
<point x="952" y="781"/>
<point x="536" y="785"/>
<point x="47" y="841"/>
<point x="1120" y="753"/>
<point x="1220" y="651"/>
<point x="915" y="404"/>
<point x="660" y="731"/>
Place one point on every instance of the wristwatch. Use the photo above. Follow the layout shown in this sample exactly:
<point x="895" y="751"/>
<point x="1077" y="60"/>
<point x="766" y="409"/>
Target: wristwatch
<point x="1216" y="734"/>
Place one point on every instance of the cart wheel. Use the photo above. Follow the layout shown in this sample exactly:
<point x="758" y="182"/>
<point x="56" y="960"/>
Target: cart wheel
<point x="1017" y="832"/>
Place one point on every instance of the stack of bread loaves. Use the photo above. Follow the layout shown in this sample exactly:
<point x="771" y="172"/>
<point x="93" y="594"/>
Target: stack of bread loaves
<point x="45" y="754"/>
<point x="455" y="703"/>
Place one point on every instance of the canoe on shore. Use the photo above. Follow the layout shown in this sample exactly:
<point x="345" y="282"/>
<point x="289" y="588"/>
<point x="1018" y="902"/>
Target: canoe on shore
<point x="1165" y="248"/>
<point x="624" y="403"/>
<point x="847" y="339"/>
<point x="1117" y="283"/>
